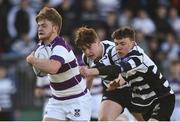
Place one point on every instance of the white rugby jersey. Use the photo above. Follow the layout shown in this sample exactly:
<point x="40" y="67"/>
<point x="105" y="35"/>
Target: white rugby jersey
<point x="67" y="83"/>
<point x="107" y="45"/>
<point x="146" y="81"/>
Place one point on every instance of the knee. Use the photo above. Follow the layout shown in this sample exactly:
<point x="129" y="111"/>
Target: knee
<point x="102" y="118"/>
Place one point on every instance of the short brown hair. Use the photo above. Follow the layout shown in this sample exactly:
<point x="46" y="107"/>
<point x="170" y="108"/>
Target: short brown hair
<point x="52" y="15"/>
<point x="85" y="36"/>
<point x="125" y="32"/>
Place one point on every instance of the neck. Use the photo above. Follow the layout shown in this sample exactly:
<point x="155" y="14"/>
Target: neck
<point x="50" y="39"/>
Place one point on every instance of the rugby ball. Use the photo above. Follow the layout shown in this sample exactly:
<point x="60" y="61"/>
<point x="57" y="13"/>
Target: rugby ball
<point x="42" y="53"/>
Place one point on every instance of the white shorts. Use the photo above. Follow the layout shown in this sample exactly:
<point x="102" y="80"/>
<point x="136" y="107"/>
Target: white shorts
<point x="72" y="109"/>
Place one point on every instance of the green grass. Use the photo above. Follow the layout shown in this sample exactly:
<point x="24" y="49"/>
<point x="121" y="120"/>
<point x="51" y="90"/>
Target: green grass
<point x="30" y="115"/>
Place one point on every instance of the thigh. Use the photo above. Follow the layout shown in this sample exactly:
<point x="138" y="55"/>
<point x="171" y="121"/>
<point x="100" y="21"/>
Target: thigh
<point x="54" y="110"/>
<point x="109" y="110"/>
<point x="80" y="109"/>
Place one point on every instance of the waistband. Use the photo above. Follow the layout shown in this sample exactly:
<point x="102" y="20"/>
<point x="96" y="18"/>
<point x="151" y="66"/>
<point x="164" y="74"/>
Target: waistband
<point x="70" y="97"/>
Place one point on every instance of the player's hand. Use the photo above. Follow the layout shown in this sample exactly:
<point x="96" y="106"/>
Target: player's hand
<point x="83" y="70"/>
<point x="113" y="84"/>
<point x="30" y="58"/>
<point x="116" y="83"/>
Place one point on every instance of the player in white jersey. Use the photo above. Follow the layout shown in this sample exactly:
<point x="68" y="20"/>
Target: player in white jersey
<point x="94" y="53"/>
<point x="70" y="98"/>
<point x="150" y="89"/>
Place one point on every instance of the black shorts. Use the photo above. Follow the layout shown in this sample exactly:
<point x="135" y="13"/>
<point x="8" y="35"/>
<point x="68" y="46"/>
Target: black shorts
<point x="162" y="109"/>
<point x="121" y="96"/>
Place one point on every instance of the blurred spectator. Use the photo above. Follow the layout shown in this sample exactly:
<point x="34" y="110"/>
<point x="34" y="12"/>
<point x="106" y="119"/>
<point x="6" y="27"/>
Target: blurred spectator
<point x="7" y="88"/>
<point x="174" y="20"/>
<point x="4" y="40"/>
<point x="144" y="23"/>
<point x="104" y="6"/>
<point x="21" y="20"/>
<point x="175" y="4"/>
<point x="23" y="45"/>
<point x="43" y="90"/>
<point x="170" y="49"/>
<point x="125" y="17"/>
<point x="101" y="31"/>
<point x="151" y="7"/>
<point x="153" y="44"/>
<point x="170" y="46"/>
<point x="134" y="5"/>
<point x="161" y="23"/>
<point x="111" y="22"/>
<point x="88" y="14"/>
<point x="142" y="41"/>
<point x="174" y="79"/>
<point x="68" y="13"/>
<point x="36" y="4"/>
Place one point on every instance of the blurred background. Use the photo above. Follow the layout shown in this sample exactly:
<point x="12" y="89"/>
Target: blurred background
<point x="157" y="25"/>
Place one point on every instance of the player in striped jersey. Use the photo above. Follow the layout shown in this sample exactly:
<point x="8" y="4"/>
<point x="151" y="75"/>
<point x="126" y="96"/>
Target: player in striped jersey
<point x="94" y="52"/>
<point x="70" y="98"/>
<point x="151" y="93"/>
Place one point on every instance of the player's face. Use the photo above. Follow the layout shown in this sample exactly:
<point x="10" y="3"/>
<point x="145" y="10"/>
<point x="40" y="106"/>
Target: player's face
<point x="45" y="29"/>
<point x="123" y="46"/>
<point x="92" y="51"/>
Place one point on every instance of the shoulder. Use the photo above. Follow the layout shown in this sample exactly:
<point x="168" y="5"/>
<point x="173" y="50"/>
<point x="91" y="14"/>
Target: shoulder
<point x="107" y="43"/>
<point x="59" y="41"/>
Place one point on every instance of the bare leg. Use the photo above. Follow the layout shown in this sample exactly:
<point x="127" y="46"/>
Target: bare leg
<point x="109" y="110"/>
<point x="138" y="116"/>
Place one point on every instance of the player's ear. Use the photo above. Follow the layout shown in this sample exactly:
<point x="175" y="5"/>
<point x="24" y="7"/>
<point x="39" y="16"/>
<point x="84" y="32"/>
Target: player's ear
<point x="55" y="28"/>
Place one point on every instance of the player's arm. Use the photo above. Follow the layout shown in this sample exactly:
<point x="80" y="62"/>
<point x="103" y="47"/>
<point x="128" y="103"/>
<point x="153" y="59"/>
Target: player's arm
<point x="46" y="65"/>
<point x="89" y="81"/>
<point x="123" y="66"/>
<point x="103" y="70"/>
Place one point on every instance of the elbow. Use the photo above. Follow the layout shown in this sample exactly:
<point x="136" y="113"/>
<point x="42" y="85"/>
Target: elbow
<point x="54" y="68"/>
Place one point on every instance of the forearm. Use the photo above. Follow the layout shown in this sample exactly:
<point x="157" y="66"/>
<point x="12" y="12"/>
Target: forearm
<point x="89" y="81"/>
<point x="93" y="72"/>
<point x="45" y="65"/>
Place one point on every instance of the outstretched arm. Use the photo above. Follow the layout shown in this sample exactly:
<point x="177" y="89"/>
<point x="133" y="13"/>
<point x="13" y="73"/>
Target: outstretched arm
<point x="103" y="70"/>
<point x="85" y="71"/>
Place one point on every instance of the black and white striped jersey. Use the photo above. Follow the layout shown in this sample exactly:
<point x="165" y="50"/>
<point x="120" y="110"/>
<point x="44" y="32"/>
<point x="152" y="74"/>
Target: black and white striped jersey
<point x="107" y="45"/>
<point x="142" y="74"/>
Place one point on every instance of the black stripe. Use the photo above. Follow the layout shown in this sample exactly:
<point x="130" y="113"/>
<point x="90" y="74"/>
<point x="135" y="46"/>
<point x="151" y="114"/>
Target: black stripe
<point x="126" y="66"/>
<point x="134" y="53"/>
<point x="137" y="61"/>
